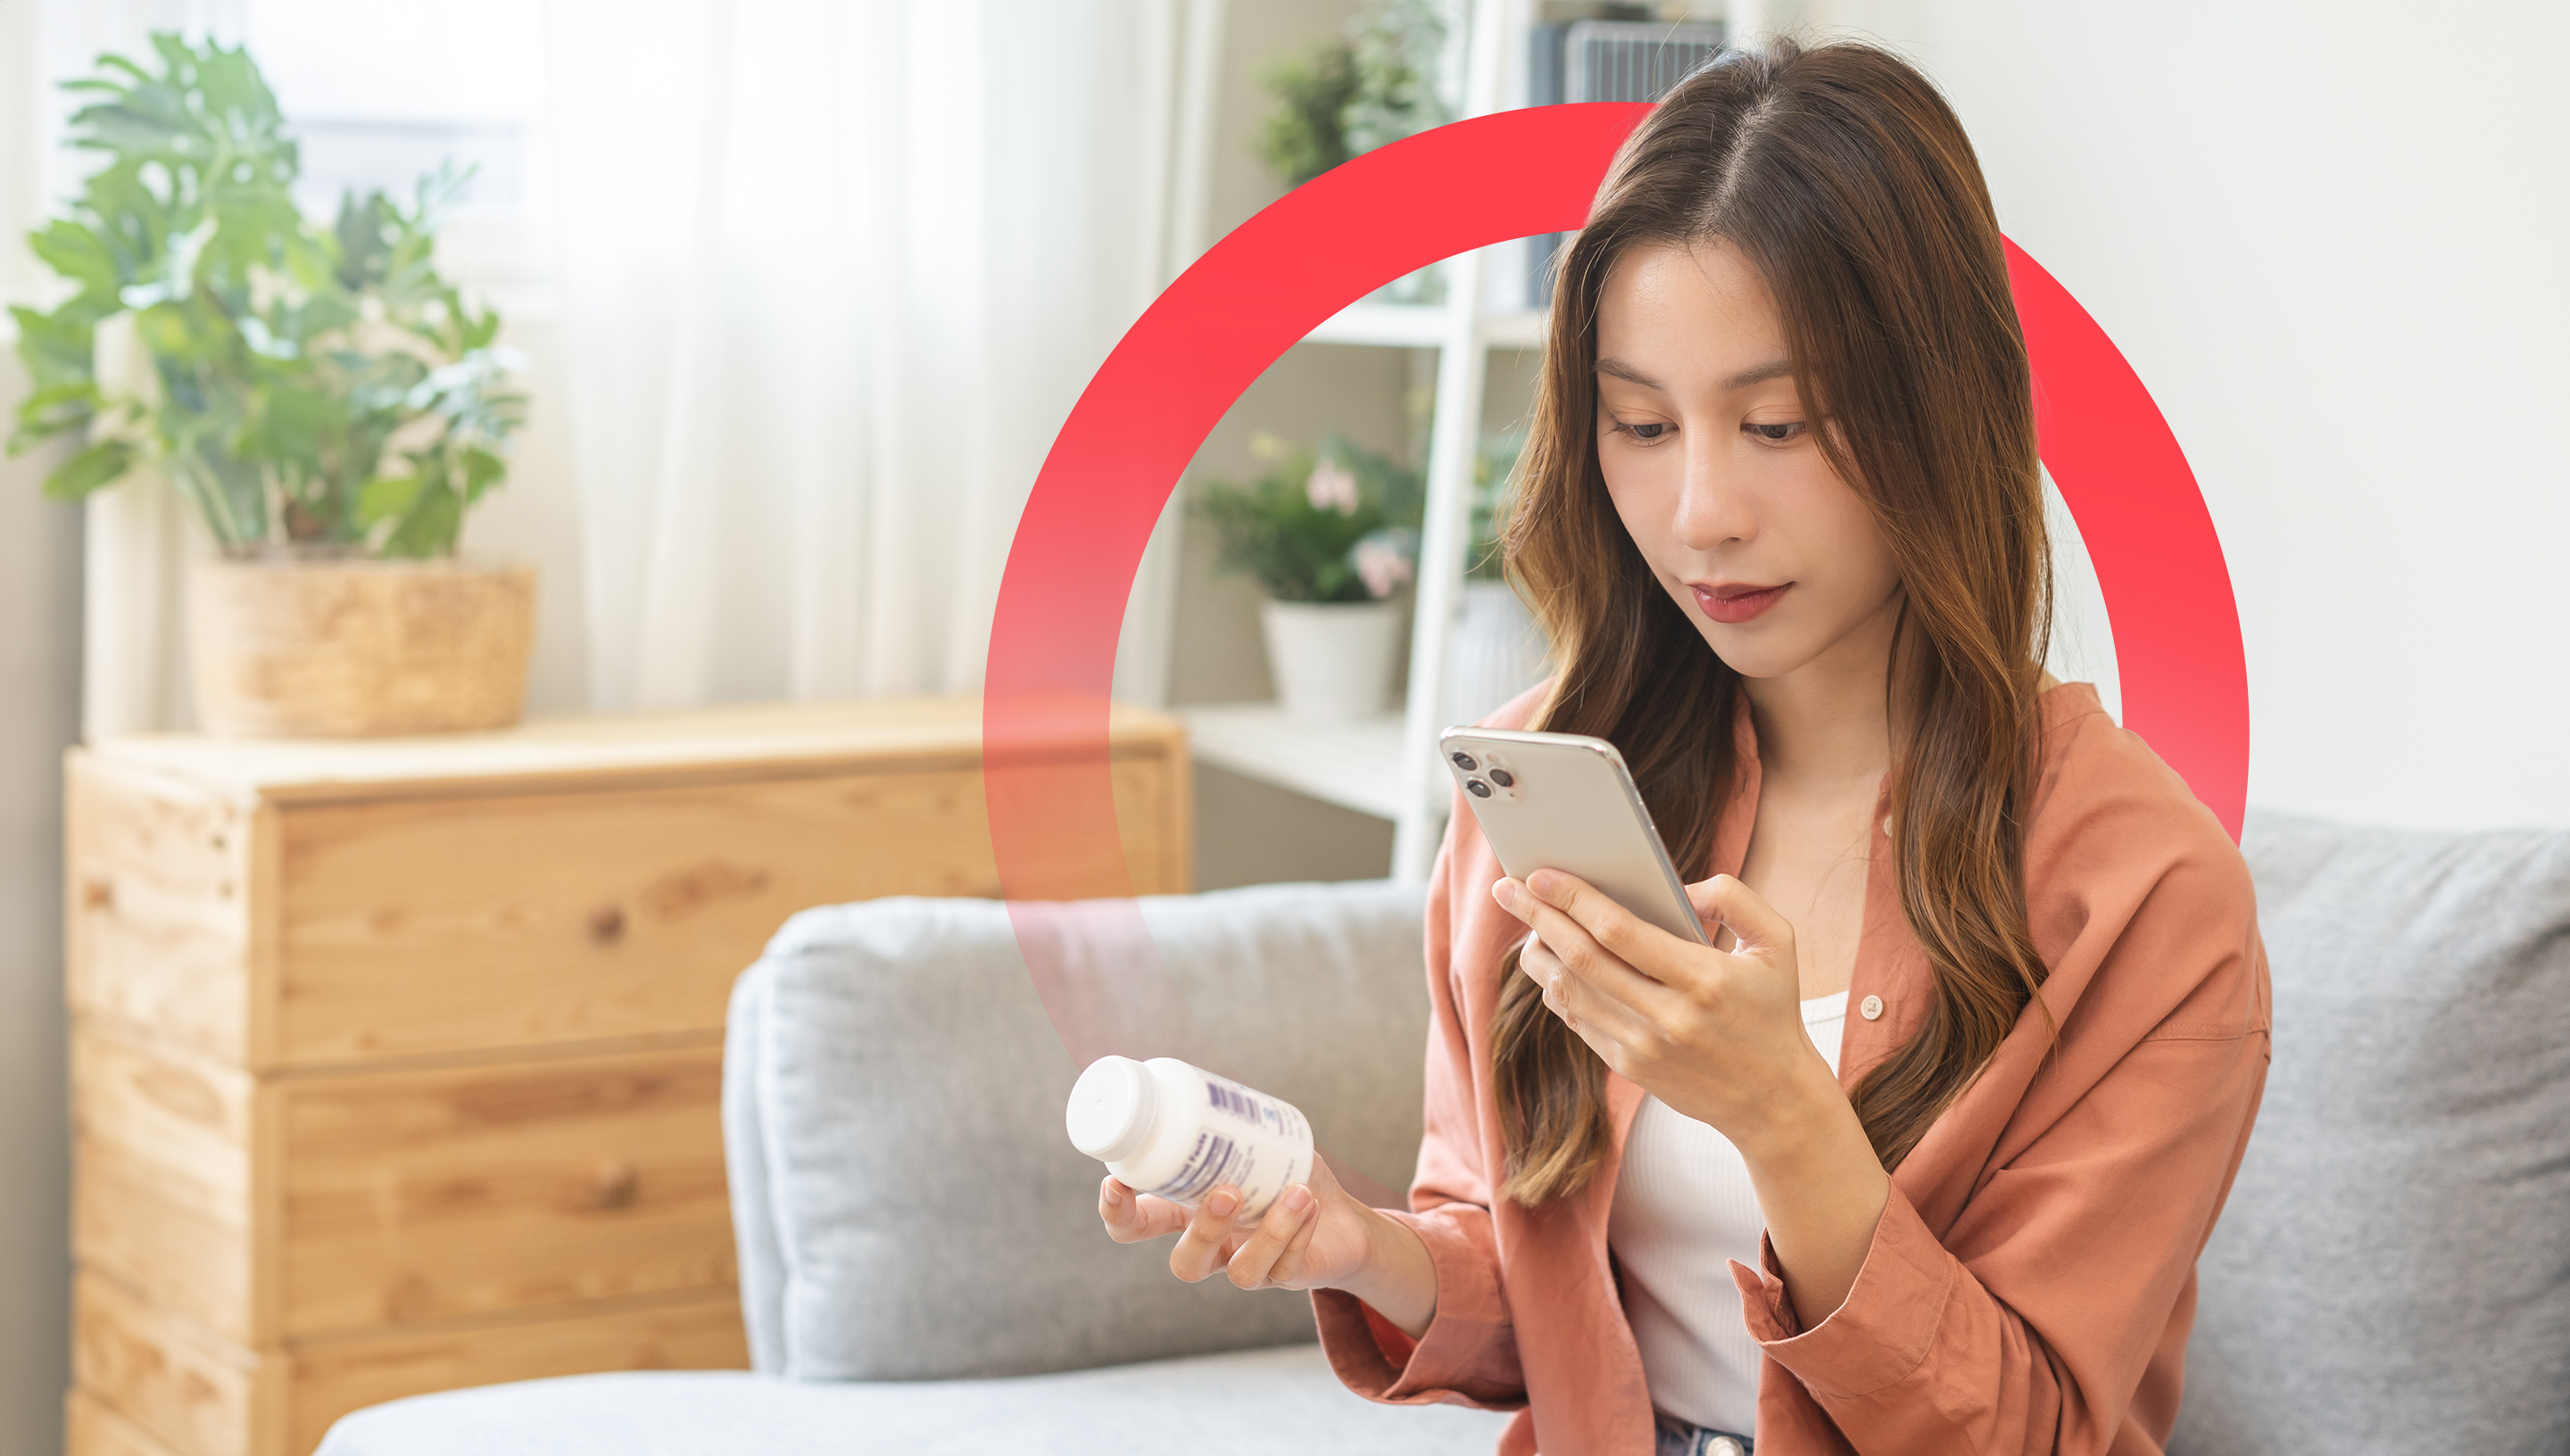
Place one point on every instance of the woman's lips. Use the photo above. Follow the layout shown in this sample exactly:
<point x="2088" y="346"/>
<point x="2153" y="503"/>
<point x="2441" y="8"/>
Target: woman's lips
<point x="1738" y="603"/>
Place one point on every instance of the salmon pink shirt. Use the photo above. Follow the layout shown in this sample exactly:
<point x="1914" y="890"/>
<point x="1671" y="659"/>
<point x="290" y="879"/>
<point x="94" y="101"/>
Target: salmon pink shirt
<point x="2030" y="1284"/>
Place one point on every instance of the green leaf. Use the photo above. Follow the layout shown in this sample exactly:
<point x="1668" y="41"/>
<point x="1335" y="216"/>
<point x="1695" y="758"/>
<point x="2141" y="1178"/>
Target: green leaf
<point x="76" y="254"/>
<point x="327" y="310"/>
<point x="385" y="497"/>
<point x="481" y="471"/>
<point x="363" y="233"/>
<point x="288" y="424"/>
<point x="56" y="410"/>
<point x="56" y="346"/>
<point x="1302" y="137"/>
<point x="430" y="526"/>
<point x="91" y="468"/>
<point x="133" y="222"/>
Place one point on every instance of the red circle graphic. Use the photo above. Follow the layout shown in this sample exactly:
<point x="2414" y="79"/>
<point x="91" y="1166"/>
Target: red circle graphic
<point x="1327" y="243"/>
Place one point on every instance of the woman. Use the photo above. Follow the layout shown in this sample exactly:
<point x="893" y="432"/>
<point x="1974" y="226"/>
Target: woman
<point x="1782" y="519"/>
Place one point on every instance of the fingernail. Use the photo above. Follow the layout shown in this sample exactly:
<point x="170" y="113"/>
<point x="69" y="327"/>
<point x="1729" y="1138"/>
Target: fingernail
<point x="1506" y="893"/>
<point x="1114" y="1194"/>
<point x="1298" y="1198"/>
<point x="1222" y="1202"/>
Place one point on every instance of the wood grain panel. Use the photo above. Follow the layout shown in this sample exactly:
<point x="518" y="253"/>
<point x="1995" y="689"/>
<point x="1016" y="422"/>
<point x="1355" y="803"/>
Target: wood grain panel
<point x="630" y="749"/>
<point x="424" y="1196"/>
<point x="165" y="1146"/>
<point x="335" y="1376"/>
<point x="188" y="1389"/>
<point x="422" y="926"/>
<point x="147" y="1383"/>
<point x="190" y="1118"/>
<point x="188" y="1259"/>
<point x="159" y="880"/>
<point x="91" y="1427"/>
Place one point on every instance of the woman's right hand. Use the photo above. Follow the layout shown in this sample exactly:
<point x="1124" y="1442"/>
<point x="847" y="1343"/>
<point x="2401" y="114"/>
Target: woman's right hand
<point x="1313" y="1236"/>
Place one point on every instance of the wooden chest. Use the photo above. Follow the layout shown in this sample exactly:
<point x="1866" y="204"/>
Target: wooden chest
<point x="396" y="1065"/>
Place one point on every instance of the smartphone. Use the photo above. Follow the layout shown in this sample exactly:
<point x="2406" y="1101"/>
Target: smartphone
<point x="1565" y="801"/>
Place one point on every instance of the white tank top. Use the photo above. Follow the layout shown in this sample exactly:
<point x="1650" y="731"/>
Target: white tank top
<point x="1683" y="1207"/>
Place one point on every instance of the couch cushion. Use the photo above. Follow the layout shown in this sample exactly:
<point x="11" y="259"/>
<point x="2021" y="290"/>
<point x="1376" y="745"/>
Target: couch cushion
<point x="2392" y="1271"/>
<point x="1278" y="1402"/>
<point x="907" y="1203"/>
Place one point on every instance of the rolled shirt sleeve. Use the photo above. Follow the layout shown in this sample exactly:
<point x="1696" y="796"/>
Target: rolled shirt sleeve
<point x="2027" y="1327"/>
<point x="1467" y="1353"/>
<point x="1468" y="1356"/>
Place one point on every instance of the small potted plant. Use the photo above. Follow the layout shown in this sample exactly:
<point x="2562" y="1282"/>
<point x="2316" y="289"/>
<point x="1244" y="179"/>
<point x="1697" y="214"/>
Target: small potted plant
<point x="1331" y="536"/>
<point x="326" y="404"/>
<point x="1375" y="84"/>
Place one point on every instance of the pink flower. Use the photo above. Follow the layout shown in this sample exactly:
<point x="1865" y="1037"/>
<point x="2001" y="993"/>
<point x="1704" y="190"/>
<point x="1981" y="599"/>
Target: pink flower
<point x="1331" y="488"/>
<point x="1382" y="564"/>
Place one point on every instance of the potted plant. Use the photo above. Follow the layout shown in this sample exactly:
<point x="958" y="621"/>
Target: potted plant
<point x="1331" y="536"/>
<point x="323" y="399"/>
<point x="1375" y="84"/>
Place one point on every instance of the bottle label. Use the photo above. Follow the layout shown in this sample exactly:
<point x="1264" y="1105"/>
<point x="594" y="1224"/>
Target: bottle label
<point x="1256" y="1109"/>
<point x="1219" y="1158"/>
<point x="1216" y="1159"/>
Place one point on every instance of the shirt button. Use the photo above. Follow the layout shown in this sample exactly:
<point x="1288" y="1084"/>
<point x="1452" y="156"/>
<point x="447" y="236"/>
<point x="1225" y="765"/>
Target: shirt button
<point x="1871" y="1008"/>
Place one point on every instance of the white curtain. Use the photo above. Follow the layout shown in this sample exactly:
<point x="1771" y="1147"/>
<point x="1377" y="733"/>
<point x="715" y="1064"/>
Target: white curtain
<point x="137" y="537"/>
<point x="833" y="272"/>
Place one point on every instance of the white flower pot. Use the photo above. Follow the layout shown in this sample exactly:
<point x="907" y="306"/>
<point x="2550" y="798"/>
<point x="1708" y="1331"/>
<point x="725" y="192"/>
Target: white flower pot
<point x="1497" y="652"/>
<point x="1332" y="660"/>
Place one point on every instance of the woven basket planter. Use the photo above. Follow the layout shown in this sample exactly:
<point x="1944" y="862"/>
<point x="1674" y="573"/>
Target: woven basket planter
<point x="341" y="648"/>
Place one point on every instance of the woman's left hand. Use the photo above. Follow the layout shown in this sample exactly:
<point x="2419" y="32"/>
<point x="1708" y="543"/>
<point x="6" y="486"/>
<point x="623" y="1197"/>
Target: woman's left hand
<point x="1718" y="1036"/>
<point x="1715" y="1034"/>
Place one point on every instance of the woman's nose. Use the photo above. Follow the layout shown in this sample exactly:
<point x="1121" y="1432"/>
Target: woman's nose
<point x="1712" y="507"/>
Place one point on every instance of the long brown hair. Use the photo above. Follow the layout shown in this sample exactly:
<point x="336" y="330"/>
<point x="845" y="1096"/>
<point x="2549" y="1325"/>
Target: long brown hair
<point x="1844" y="178"/>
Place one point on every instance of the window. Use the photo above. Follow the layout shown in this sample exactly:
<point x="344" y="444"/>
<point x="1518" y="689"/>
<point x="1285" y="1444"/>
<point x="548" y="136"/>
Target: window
<point x="382" y="95"/>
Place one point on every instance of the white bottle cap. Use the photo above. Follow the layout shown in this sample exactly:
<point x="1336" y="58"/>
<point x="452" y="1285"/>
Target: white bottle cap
<point x="1109" y="1116"/>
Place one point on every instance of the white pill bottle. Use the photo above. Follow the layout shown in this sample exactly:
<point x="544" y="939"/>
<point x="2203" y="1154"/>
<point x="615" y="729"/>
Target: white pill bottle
<point x="1166" y="1128"/>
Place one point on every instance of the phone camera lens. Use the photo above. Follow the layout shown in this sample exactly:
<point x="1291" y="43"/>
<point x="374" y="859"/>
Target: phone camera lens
<point x="1476" y="788"/>
<point x="1504" y="778"/>
<point x="1463" y="761"/>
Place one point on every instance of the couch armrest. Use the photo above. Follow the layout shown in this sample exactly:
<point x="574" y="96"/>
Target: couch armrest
<point x="753" y="1222"/>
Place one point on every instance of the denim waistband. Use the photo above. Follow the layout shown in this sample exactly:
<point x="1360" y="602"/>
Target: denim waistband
<point x="1681" y="1439"/>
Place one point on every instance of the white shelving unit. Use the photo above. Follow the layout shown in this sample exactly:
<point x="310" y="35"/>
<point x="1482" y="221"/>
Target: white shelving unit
<point x="1386" y="766"/>
<point x="1353" y="765"/>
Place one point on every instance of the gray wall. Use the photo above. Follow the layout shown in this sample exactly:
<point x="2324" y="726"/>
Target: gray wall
<point x="39" y="716"/>
<point x="39" y="712"/>
<point x="2328" y="236"/>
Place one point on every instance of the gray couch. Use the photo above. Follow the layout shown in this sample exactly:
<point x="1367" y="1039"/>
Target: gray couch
<point x="923" y="1270"/>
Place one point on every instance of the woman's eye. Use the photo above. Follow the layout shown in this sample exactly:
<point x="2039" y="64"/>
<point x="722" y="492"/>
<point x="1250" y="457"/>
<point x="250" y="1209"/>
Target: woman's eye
<point x="1776" y="434"/>
<point x="1645" y="433"/>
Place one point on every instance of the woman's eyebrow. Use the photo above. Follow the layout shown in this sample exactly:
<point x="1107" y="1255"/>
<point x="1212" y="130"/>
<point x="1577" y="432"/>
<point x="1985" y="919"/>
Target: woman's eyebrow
<point x="1772" y="369"/>
<point x="1626" y="372"/>
<point x="1759" y="374"/>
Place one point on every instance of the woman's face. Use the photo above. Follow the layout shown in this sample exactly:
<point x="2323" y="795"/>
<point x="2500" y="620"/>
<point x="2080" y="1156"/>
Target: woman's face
<point x="1714" y="470"/>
